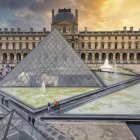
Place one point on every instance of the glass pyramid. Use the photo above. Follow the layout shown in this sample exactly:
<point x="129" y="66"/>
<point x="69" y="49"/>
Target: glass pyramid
<point x="14" y="127"/>
<point x="54" y="63"/>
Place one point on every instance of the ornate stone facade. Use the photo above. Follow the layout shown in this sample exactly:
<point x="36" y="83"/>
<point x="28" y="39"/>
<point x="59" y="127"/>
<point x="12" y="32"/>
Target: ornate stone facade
<point x="121" y="46"/>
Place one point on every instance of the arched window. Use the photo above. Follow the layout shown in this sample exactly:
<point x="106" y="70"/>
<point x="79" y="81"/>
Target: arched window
<point x="24" y="55"/>
<point x="83" y="56"/>
<point x="117" y="56"/>
<point x="138" y="57"/>
<point x="96" y="56"/>
<point x="18" y="57"/>
<point x="103" y="56"/>
<point x="5" y="58"/>
<point x="131" y="56"/>
<point x="125" y="57"/>
<point x="110" y="56"/>
<point x="90" y="57"/>
<point x="11" y="57"/>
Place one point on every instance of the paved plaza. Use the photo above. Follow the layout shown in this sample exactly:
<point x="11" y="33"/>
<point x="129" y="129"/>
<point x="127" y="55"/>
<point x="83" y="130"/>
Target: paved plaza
<point x="95" y="130"/>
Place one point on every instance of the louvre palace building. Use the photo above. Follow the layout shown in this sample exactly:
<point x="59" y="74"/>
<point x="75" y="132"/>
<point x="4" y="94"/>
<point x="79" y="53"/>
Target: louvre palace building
<point x="120" y="46"/>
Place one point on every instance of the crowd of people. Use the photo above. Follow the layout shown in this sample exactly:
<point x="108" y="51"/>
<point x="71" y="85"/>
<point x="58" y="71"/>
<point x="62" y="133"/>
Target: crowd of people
<point x="56" y="105"/>
<point x="5" y="101"/>
<point x="4" y="70"/>
<point x="31" y="120"/>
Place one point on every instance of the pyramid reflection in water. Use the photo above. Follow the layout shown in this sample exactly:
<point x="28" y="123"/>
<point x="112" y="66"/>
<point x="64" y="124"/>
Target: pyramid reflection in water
<point x="54" y="63"/>
<point x="15" y="127"/>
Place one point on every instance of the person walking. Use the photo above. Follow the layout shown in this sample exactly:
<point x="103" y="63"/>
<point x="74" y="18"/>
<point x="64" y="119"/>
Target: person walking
<point x="55" y="105"/>
<point x="6" y="102"/>
<point x="29" y="118"/>
<point x="58" y="105"/>
<point x="2" y="100"/>
<point x="49" y="106"/>
<point x="33" y="121"/>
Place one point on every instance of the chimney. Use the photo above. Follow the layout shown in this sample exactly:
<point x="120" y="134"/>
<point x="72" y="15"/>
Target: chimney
<point x="131" y="28"/>
<point x="5" y="29"/>
<point x="31" y="29"/>
<point x="124" y="28"/>
<point x="12" y="29"/>
<point x="44" y="29"/>
<point x="53" y="13"/>
<point x="76" y="15"/>
<point x="18" y="29"/>
<point x="85" y="29"/>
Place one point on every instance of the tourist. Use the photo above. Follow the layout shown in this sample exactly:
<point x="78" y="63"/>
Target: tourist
<point x="29" y="118"/>
<point x="33" y="121"/>
<point x="55" y="105"/>
<point x="2" y="100"/>
<point x="6" y="102"/>
<point x="49" y="106"/>
<point x="58" y="105"/>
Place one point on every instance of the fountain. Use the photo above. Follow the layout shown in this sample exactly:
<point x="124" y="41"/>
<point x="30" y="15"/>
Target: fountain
<point x="43" y="89"/>
<point x="106" y="66"/>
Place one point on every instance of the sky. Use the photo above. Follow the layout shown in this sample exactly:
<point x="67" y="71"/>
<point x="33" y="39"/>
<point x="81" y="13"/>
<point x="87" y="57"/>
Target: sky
<point x="96" y="15"/>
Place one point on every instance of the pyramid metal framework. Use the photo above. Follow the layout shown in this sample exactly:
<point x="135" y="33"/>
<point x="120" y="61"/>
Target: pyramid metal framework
<point x="14" y="127"/>
<point x="54" y="63"/>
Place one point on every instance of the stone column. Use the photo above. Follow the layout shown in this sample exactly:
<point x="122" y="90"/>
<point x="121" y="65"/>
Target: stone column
<point x="15" y="59"/>
<point x="8" y="57"/>
<point x="128" y="57"/>
<point x="21" y="56"/>
<point x="107" y="55"/>
<point x="114" y="58"/>
<point x="93" y="57"/>
<point x="0" y="58"/>
<point x="121" y="59"/>
<point x="135" y="57"/>
<point x="86" y="58"/>
<point x="100" y="57"/>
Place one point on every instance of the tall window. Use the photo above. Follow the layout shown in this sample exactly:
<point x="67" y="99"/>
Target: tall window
<point x="96" y="45"/>
<point x="33" y="44"/>
<point x="20" y="45"/>
<point x="116" y="45"/>
<point x="14" y="45"/>
<point x="89" y="45"/>
<point x="7" y="45"/>
<point x="27" y="46"/>
<point x="83" y="45"/>
<point x="73" y="45"/>
<point x="102" y="45"/>
<point x="0" y="45"/>
<point x="129" y="45"/>
<point x="115" y="37"/>
<point x="109" y="45"/>
<point x="136" y="45"/>
<point x="102" y="37"/>
<point x="122" y="45"/>
<point x="64" y="29"/>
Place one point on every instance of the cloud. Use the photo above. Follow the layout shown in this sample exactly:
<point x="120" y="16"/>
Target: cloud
<point x="24" y="13"/>
<point x="95" y="14"/>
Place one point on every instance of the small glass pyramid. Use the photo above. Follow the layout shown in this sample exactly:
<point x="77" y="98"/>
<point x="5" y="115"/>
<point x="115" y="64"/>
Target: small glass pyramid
<point x="54" y="63"/>
<point x="15" y="127"/>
